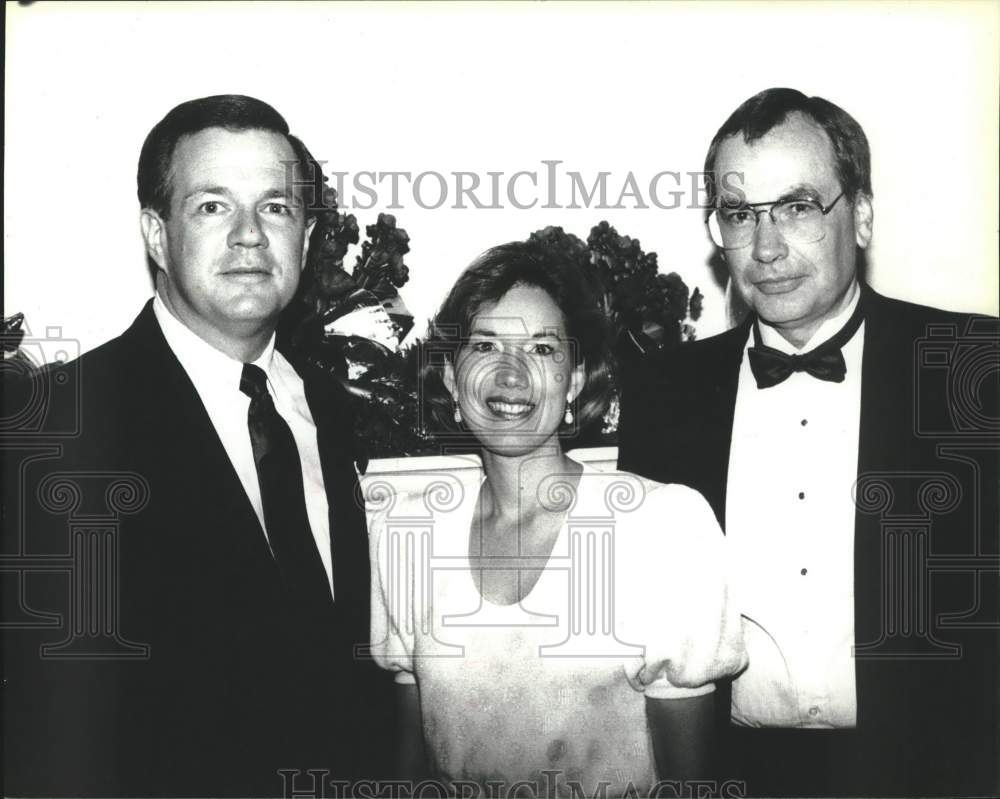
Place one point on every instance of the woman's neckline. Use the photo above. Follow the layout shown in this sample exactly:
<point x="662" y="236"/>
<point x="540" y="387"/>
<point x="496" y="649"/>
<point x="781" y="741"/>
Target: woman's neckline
<point x="554" y="547"/>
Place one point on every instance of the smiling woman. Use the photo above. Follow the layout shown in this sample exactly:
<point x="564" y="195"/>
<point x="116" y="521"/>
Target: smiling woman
<point x="517" y="371"/>
<point x="502" y="679"/>
<point x="521" y="318"/>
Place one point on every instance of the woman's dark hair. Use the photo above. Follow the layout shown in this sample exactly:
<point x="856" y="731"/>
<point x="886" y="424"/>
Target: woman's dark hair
<point x="233" y="112"/>
<point x="764" y="111"/>
<point x="573" y="289"/>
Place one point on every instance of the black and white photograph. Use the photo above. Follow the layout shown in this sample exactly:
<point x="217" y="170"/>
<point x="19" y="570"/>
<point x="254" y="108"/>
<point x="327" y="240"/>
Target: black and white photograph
<point x="499" y="400"/>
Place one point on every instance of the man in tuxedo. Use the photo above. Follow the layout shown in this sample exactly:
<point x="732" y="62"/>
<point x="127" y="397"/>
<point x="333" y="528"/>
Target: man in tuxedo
<point x="199" y="629"/>
<point x="848" y="445"/>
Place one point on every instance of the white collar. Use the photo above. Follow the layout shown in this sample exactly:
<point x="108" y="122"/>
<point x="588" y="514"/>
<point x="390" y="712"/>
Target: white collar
<point x="770" y="337"/>
<point x="205" y="365"/>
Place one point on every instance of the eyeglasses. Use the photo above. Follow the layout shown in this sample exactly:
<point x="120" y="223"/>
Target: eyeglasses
<point x="797" y="219"/>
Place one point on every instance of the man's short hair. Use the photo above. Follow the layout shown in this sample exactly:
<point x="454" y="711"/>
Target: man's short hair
<point x="764" y="111"/>
<point x="233" y="112"/>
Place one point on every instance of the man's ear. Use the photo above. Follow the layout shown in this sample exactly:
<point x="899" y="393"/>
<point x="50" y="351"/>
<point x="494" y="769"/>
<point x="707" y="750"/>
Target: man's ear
<point x="863" y="217"/>
<point x="154" y="235"/>
<point x="305" y="242"/>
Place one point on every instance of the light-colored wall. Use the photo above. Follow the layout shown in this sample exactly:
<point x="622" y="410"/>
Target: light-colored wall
<point x="443" y="87"/>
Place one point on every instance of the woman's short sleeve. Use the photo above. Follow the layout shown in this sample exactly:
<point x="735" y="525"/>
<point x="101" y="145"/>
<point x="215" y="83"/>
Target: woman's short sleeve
<point x="391" y="605"/>
<point x="673" y="558"/>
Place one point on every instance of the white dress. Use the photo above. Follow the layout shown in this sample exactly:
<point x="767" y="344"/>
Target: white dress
<point x="545" y="690"/>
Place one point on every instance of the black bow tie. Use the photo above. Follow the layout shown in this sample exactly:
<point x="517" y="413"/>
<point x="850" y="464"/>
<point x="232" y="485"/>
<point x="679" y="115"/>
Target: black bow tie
<point x="826" y="362"/>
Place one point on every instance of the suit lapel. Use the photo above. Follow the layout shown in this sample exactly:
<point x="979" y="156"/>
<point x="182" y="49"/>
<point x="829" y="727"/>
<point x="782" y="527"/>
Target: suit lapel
<point x="348" y="530"/>
<point x="872" y="434"/>
<point x="712" y="454"/>
<point x="884" y="439"/>
<point x="190" y="446"/>
<point x="198" y="455"/>
<point x="677" y="415"/>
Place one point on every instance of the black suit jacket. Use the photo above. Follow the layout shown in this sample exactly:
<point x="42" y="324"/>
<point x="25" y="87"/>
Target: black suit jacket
<point x="927" y="666"/>
<point x="206" y="680"/>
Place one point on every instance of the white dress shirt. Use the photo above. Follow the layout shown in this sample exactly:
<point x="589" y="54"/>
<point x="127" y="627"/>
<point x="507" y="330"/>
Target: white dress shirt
<point x="216" y="377"/>
<point x="790" y="522"/>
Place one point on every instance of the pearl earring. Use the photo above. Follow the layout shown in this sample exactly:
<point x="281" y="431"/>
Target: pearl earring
<point x="568" y="416"/>
<point x="457" y="416"/>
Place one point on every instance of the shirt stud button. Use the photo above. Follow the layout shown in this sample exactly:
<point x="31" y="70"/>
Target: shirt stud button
<point x="805" y="422"/>
<point x="802" y="494"/>
<point x="814" y="711"/>
<point x="804" y="572"/>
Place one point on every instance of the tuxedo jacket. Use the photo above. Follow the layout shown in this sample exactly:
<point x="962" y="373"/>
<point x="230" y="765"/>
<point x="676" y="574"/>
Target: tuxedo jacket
<point x="207" y="679"/>
<point x="926" y="498"/>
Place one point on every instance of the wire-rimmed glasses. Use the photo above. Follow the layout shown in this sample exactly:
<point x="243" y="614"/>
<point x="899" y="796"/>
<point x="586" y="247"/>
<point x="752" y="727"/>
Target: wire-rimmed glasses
<point x="798" y="219"/>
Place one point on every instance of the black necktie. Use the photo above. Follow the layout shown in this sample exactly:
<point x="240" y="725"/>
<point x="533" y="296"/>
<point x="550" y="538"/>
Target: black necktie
<point x="280" y="474"/>
<point x="826" y="362"/>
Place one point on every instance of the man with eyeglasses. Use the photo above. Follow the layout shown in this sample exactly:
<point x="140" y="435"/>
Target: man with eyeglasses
<point x="863" y="536"/>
